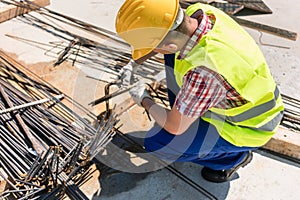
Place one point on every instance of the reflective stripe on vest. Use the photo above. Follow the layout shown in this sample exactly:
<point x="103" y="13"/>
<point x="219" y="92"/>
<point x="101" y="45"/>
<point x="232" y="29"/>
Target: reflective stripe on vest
<point x="248" y="114"/>
<point x="269" y="126"/>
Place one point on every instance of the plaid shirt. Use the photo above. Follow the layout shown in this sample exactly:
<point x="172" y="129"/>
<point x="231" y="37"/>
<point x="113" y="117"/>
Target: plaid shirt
<point x="204" y="88"/>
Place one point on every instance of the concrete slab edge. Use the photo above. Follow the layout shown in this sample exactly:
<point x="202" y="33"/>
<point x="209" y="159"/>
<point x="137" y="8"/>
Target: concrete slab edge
<point x="285" y="142"/>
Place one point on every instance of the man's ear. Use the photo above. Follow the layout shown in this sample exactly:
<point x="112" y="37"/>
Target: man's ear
<point x="171" y="47"/>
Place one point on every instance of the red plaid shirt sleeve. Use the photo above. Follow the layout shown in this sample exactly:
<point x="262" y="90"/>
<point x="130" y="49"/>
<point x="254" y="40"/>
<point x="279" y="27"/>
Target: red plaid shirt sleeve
<point x="202" y="89"/>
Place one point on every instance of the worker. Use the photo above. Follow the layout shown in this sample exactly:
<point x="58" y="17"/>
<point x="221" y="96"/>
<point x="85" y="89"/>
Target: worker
<point x="224" y="101"/>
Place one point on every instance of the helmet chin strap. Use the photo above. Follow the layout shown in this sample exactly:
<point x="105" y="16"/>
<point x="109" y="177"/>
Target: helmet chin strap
<point x="179" y="19"/>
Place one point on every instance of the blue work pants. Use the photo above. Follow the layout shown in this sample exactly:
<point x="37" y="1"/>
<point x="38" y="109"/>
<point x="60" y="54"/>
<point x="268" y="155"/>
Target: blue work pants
<point x="200" y="144"/>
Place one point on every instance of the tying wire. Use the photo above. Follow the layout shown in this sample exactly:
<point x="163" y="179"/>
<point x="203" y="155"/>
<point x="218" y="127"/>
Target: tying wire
<point x="37" y="168"/>
<point x="259" y="40"/>
<point x="271" y="45"/>
<point x="170" y="168"/>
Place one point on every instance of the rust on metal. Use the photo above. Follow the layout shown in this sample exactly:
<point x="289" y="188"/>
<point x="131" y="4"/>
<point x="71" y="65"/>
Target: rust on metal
<point x="13" y="10"/>
<point x="257" y="5"/>
<point x="268" y="29"/>
<point x="228" y="8"/>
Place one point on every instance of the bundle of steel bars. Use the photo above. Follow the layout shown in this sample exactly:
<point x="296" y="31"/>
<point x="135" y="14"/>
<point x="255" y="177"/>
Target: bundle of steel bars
<point x="60" y="163"/>
<point x="41" y="147"/>
<point x="83" y="44"/>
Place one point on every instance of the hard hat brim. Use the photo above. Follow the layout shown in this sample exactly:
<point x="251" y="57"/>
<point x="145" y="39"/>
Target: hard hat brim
<point x="144" y="25"/>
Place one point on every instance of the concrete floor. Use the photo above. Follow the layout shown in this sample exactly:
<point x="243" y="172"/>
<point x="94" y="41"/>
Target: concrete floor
<point x="266" y="177"/>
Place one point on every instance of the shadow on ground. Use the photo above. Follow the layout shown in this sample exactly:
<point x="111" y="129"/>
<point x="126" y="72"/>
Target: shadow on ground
<point x="124" y="176"/>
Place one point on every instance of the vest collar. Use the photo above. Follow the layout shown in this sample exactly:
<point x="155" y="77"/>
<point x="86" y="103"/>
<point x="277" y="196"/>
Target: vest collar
<point x="204" y="25"/>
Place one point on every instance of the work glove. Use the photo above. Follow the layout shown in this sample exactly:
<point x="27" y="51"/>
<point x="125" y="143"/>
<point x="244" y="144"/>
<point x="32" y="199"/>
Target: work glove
<point x="139" y="92"/>
<point x="126" y="74"/>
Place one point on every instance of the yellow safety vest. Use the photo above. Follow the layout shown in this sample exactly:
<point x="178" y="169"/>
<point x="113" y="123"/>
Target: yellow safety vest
<point x="230" y="51"/>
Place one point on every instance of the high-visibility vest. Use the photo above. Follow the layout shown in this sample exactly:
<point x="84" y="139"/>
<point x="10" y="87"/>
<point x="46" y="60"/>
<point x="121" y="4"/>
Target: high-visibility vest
<point x="230" y="51"/>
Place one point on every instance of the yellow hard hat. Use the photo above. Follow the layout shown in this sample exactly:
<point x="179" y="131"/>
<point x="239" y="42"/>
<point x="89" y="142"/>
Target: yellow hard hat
<point x="144" y="23"/>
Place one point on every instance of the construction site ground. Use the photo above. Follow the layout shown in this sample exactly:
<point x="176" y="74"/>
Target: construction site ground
<point x="268" y="176"/>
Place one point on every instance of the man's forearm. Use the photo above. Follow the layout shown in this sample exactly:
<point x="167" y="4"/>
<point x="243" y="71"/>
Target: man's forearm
<point x="171" y="120"/>
<point x="157" y="112"/>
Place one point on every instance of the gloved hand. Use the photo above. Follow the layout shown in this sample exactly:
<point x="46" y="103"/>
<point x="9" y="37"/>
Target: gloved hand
<point x="139" y="92"/>
<point x="126" y="74"/>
